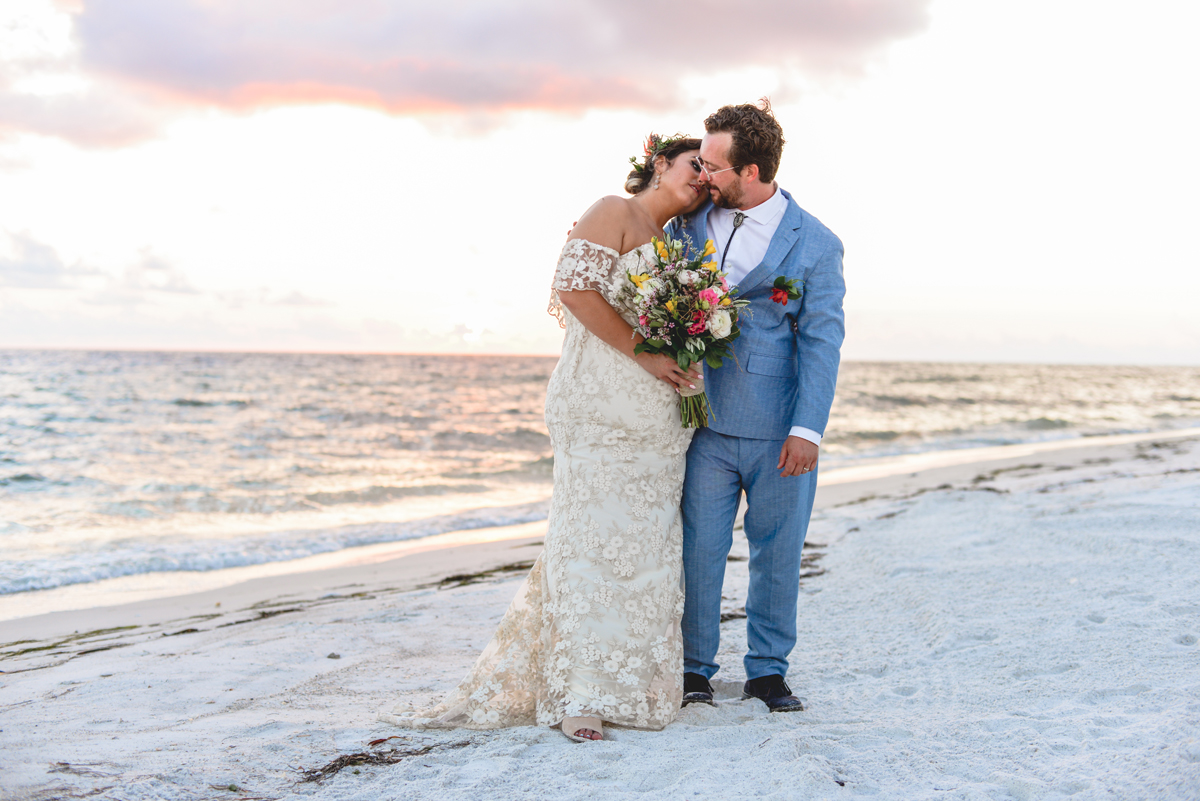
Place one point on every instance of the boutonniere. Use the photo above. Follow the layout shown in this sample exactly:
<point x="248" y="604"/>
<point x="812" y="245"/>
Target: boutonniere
<point x="786" y="289"/>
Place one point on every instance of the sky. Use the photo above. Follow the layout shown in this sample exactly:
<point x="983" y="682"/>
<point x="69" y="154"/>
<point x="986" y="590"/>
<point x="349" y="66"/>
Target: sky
<point x="1013" y="181"/>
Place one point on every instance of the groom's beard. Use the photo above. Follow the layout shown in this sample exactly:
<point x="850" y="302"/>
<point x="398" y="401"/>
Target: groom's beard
<point x="730" y="198"/>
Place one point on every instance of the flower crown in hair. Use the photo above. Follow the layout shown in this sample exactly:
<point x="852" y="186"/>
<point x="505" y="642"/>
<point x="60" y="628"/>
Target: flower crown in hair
<point x="654" y="144"/>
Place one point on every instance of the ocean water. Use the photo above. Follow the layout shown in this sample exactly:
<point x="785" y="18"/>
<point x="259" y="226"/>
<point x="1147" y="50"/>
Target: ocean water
<point x="117" y="463"/>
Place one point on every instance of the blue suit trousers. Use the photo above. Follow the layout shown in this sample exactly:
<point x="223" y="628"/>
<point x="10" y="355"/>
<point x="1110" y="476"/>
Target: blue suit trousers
<point x="719" y="469"/>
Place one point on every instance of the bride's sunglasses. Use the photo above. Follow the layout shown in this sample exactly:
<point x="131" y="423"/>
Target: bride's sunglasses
<point x="700" y="169"/>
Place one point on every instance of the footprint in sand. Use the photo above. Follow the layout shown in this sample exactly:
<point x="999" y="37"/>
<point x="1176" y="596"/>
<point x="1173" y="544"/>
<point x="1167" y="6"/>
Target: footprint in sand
<point x="1054" y="671"/>
<point x="1100" y="696"/>
<point x="1186" y="639"/>
<point x="1097" y="618"/>
<point x="1185" y="610"/>
<point x="963" y="642"/>
<point x="905" y="691"/>
<point x="873" y="672"/>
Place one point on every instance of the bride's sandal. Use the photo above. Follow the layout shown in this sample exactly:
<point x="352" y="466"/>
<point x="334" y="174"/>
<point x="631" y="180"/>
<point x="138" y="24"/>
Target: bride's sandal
<point x="573" y="726"/>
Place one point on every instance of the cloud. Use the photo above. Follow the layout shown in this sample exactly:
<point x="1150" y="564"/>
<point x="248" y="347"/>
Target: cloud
<point x="104" y="117"/>
<point x="157" y="274"/>
<point x="410" y="57"/>
<point x="151" y="273"/>
<point x="34" y="265"/>
<point x="455" y="56"/>
<point x="295" y="298"/>
<point x="44" y="88"/>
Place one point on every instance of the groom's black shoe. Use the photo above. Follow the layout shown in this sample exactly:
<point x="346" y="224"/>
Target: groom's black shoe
<point x="774" y="692"/>
<point x="696" y="690"/>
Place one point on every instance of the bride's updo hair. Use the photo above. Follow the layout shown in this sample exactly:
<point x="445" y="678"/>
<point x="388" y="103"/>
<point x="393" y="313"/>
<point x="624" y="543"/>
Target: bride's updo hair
<point x="642" y="174"/>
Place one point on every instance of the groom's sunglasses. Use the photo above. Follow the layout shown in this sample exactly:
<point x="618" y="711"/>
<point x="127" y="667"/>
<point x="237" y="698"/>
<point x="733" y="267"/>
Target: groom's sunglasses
<point x="700" y="169"/>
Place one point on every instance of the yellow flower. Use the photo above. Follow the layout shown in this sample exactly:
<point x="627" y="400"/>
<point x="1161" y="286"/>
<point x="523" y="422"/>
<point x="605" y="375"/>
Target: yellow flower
<point x="725" y="301"/>
<point x="711" y="266"/>
<point x="709" y="248"/>
<point x="638" y="280"/>
<point x="662" y="251"/>
<point x="670" y="304"/>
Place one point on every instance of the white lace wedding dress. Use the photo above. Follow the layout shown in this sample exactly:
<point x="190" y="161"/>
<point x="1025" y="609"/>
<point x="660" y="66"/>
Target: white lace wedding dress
<point x="594" y="629"/>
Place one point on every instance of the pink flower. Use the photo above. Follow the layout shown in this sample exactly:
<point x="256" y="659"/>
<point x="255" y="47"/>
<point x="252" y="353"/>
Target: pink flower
<point x="724" y="284"/>
<point x="643" y="319"/>
<point x="711" y="296"/>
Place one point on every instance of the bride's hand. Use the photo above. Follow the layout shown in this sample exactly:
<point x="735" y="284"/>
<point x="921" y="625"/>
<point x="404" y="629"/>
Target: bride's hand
<point x="666" y="370"/>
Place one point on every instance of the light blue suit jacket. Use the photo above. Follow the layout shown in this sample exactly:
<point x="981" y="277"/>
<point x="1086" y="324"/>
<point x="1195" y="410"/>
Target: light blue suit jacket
<point x="788" y="355"/>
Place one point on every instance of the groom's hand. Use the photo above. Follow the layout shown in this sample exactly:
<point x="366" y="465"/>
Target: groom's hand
<point x="799" y="456"/>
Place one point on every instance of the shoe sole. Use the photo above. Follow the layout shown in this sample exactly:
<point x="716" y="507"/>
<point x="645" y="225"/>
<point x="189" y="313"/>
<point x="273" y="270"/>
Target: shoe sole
<point x="794" y="708"/>
<point x="707" y="701"/>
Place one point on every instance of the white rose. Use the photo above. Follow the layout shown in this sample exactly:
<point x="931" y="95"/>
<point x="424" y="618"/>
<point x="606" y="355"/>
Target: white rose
<point x="688" y="277"/>
<point x="720" y="324"/>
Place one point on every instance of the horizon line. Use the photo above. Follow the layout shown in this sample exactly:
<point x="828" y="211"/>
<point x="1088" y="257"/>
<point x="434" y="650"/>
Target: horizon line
<point x="286" y="352"/>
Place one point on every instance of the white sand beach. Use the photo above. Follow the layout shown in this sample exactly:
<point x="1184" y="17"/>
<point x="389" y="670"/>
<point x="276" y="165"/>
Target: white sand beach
<point x="1015" y="622"/>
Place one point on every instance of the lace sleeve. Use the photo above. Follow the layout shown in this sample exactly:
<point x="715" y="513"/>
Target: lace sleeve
<point x="582" y="265"/>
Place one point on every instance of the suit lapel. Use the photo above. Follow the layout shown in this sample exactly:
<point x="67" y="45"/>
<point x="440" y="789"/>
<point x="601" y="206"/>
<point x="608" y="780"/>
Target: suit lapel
<point x="781" y="244"/>
<point x="696" y="226"/>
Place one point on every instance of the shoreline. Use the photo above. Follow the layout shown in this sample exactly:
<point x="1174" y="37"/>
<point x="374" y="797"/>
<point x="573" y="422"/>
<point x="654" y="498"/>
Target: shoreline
<point x="157" y="599"/>
<point x="1015" y="627"/>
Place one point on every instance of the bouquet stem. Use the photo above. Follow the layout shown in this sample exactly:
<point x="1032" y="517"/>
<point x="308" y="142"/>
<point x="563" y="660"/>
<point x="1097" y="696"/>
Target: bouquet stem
<point x="693" y="406"/>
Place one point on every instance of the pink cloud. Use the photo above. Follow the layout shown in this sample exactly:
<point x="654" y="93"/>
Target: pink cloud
<point x="455" y="55"/>
<point x="106" y="116"/>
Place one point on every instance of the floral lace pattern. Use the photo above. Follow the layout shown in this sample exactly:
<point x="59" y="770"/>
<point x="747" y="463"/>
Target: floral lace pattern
<point x="594" y="629"/>
<point x="586" y="265"/>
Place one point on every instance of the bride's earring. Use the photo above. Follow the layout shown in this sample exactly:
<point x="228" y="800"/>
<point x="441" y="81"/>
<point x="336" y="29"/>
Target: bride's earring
<point x="656" y="180"/>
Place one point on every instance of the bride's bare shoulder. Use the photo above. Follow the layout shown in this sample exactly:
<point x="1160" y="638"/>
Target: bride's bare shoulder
<point x="605" y="222"/>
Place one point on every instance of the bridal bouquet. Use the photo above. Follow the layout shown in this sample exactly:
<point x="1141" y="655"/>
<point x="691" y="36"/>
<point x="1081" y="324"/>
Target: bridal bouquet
<point x="686" y="310"/>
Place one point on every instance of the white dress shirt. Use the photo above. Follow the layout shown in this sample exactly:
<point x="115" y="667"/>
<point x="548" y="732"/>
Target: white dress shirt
<point x="747" y="250"/>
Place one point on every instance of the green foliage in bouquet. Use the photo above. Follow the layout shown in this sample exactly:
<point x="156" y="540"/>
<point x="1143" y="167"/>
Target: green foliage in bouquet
<point x="687" y="311"/>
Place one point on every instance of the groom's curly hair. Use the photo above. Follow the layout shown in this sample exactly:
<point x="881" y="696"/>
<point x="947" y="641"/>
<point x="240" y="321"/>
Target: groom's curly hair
<point x="757" y="136"/>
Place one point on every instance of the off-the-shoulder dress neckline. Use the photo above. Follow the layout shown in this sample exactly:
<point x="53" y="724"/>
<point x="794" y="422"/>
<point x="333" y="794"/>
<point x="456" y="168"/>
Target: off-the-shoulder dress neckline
<point x="612" y="250"/>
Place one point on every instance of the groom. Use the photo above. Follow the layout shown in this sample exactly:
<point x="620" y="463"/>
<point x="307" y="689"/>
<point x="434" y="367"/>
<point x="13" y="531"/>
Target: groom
<point x="769" y="406"/>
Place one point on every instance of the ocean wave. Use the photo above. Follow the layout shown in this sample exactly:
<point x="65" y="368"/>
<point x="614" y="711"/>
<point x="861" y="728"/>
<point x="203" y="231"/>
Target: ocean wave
<point x="134" y="557"/>
<point x="386" y="494"/>
<point x="166" y="442"/>
<point x="22" y="478"/>
<point x="199" y="499"/>
<point x="840" y="450"/>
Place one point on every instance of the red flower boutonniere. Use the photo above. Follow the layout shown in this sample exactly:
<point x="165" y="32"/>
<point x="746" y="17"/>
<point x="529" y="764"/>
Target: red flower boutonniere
<point x="786" y="289"/>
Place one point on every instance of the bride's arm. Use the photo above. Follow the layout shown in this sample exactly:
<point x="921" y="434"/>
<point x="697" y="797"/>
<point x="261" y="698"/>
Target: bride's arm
<point x="594" y="313"/>
<point x="604" y="224"/>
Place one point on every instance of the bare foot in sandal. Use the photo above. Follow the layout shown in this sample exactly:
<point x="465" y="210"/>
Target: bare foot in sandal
<point x="582" y="729"/>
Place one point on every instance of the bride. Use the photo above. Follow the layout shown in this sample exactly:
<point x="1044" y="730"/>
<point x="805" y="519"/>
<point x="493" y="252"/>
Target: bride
<point x="593" y="633"/>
